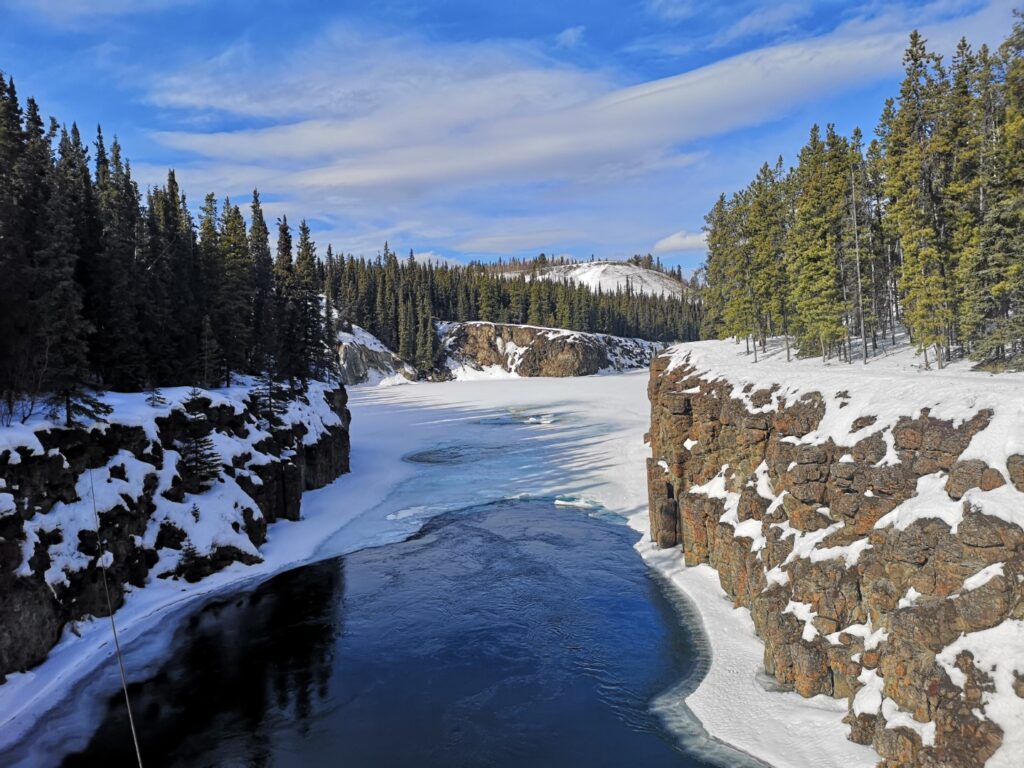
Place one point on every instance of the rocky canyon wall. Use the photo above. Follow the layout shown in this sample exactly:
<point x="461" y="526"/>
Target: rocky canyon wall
<point x="885" y="567"/>
<point x="526" y="350"/>
<point x="154" y="520"/>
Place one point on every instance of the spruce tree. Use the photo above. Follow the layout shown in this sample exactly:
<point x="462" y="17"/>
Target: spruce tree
<point x="264" y="341"/>
<point x="234" y="309"/>
<point x="62" y="331"/>
<point x="199" y="465"/>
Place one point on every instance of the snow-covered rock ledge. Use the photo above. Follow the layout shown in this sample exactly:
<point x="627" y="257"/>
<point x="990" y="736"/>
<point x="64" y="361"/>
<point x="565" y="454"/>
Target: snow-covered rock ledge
<point x="869" y="522"/>
<point x="159" y="516"/>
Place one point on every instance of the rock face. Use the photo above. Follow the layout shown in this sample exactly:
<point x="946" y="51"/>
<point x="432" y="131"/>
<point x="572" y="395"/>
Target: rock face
<point x="848" y="604"/>
<point x="364" y="359"/>
<point x="531" y="351"/>
<point x="151" y="521"/>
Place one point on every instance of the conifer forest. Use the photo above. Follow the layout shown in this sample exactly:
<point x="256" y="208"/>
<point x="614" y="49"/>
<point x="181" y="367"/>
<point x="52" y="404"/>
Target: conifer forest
<point x="111" y="287"/>
<point x="919" y="227"/>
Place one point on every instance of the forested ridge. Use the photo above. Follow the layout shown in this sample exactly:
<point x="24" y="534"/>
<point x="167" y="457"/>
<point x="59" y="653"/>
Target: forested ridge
<point x="922" y="227"/>
<point x="396" y="299"/>
<point x="107" y="287"/>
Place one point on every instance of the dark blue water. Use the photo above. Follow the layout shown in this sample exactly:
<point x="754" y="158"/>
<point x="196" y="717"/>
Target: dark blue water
<point x="516" y="634"/>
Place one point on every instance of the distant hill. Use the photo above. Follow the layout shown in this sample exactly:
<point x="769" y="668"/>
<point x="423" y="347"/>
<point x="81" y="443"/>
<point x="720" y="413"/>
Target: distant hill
<point x="611" y="276"/>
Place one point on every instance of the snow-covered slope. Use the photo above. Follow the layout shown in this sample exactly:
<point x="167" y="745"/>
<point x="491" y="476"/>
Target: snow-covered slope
<point x="611" y="276"/>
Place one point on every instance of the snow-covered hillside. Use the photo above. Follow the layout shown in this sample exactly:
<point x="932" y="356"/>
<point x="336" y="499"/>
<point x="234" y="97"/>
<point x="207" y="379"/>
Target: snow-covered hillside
<point x="611" y="276"/>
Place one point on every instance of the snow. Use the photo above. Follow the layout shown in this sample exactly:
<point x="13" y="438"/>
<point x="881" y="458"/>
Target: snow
<point x="611" y="276"/>
<point x="891" y="386"/>
<point x="363" y="338"/>
<point x="870" y="636"/>
<point x="804" y="612"/>
<point x="909" y="600"/>
<point x="576" y="442"/>
<point x="982" y="577"/>
<point x="897" y="718"/>
<point x="96" y="488"/>
<point x="868" y="699"/>
<point x="997" y="653"/>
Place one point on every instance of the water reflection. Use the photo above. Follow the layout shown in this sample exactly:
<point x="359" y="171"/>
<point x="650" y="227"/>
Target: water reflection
<point x="519" y="634"/>
<point x="239" y="669"/>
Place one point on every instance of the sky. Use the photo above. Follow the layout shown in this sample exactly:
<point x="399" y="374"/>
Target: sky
<point x="474" y="130"/>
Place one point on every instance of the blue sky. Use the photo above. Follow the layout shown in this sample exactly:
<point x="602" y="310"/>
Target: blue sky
<point x="473" y="129"/>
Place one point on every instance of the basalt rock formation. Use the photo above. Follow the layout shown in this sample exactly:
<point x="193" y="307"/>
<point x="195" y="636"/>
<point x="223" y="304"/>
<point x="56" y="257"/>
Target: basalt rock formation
<point x="849" y="602"/>
<point x="153" y="520"/>
<point x="532" y="351"/>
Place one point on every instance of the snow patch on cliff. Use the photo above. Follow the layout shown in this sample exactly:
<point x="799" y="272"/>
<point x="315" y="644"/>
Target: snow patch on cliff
<point x="999" y="654"/>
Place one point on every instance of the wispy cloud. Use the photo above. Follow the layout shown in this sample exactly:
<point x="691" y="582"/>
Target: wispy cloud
<point x="672" y="10"/>
<point x="763" y="22"/>
<point x="680" y="241"/>
<point x="469" y="146"/>
<point x="570" y="37"/>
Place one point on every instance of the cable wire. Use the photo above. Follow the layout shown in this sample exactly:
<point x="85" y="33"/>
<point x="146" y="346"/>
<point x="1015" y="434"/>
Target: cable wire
<point x="113" y="628"/>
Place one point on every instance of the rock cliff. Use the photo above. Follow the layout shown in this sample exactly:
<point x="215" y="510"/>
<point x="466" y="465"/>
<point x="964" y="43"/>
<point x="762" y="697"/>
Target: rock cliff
<point x="150" y="519"/>
<point x="363" y="359"/>
<point x="882" y="561"/>
<point x="525" y="350"/>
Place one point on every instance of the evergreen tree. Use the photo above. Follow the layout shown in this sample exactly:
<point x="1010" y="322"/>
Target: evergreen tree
<point x="264" y="341"/>
<point x="62" y="335"/>
<point x="199" y="464"/>
<point x="812" y="266"/>
<point x="234" y="309"/>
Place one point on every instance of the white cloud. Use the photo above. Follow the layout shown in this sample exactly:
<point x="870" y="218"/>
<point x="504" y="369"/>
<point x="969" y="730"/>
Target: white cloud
<point x="522" y="240"/>
<point x="432" y="257"/>
<point x="680" y="241"/>
<point x="570" y="37"/>
<point x="399" y="137"/>
<point x="767" y="20"/>
<point x="672" y="10"/>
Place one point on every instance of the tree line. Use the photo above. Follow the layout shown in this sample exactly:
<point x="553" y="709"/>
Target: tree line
<point x="106" y="288"/>
<point x="397" y="300"/>
<point x="921" y="228"/>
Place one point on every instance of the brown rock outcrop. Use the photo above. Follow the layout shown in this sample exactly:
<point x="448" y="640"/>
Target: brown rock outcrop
<point x="881" y="599"/>
<point x="531" y="351"/>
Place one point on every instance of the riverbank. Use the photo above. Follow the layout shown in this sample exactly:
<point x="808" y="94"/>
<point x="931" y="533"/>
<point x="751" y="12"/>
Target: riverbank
<point x="579" y="440"/>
